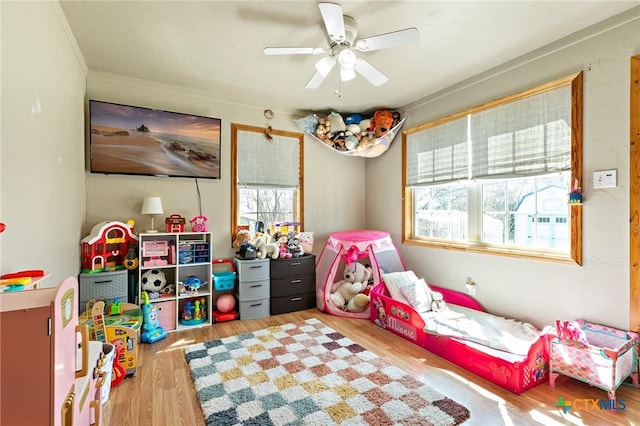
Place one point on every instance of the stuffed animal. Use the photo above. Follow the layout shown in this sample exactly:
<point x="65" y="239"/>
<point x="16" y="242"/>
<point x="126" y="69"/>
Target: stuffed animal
<point x="351" y="142"/>
<point x="247" y="251"/>
<point x="337" y="122"/>
<point x="381" y="122"/>
<point x="571" y="330"/>
<point x="437" y="302"/>
<point x="283" y="248"/>
<point x="343" y="292"/>
<point x="243" y="236"/>
<point x="352" y="119"/>
<point x="365" y="125"/>
<point x="266" y="248"/>
<point x="306" y="241"/>
<point x="294" y="247"/>
<point x="321" y="131"/>
<point x="359" y="303"/>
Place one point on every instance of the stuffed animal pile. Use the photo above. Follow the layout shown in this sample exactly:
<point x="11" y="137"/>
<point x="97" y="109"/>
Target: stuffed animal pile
<point x="353" y="132"/>
<point x="277" y="246"/>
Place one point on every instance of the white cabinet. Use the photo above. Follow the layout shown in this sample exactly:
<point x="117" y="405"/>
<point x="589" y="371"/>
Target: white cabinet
<point x="175" y="270"/>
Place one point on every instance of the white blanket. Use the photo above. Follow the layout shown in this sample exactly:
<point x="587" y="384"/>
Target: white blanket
<point x="499" y="333"/>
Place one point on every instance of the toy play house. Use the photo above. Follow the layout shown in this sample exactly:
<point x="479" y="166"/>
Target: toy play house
<point x="106" y="246"/>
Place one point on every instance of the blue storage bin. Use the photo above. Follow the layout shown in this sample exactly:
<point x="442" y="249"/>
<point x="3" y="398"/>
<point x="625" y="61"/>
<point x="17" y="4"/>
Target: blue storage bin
<point x="224" y="280"/>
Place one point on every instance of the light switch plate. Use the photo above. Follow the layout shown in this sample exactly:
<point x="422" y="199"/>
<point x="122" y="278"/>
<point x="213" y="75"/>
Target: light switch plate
<point x="605" y="178"/>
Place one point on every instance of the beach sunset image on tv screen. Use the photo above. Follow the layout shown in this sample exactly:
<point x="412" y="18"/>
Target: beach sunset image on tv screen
<point x="141" y="141"/>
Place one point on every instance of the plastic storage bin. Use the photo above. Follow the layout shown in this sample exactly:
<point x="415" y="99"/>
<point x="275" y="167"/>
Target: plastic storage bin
<point x="193" y="252"/>
<point x="223" y="281"/>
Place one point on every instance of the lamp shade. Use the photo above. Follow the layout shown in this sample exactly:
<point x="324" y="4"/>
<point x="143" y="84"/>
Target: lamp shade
<point x="152" y="205"/>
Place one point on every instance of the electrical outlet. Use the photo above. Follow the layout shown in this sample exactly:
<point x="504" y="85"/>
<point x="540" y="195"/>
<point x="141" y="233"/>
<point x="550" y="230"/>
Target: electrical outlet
<point x="605" y="178"/>
<point x="471" y="287"/>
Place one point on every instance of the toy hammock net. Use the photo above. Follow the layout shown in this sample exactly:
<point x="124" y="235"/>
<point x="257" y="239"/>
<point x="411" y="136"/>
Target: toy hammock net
<point x="367" y="146"/>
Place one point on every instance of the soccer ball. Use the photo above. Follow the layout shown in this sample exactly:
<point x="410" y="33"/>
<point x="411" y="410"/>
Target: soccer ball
<point x="153" y="280"/>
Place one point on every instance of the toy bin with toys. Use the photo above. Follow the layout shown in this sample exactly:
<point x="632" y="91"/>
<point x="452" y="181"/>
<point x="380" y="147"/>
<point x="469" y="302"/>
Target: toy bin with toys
<point x="121" y="330"/>
<point x="224" y="284"/>
<point x="193" y="252"/>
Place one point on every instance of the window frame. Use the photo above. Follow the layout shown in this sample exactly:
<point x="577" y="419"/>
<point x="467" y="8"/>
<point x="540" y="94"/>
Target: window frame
<point x="268" y="133"/>
<point x="575" y="211"/>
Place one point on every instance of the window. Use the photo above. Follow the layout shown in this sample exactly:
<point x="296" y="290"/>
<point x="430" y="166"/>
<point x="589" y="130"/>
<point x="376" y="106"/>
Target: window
<point x="495" y="178"/>
<point x="266" y="176"/>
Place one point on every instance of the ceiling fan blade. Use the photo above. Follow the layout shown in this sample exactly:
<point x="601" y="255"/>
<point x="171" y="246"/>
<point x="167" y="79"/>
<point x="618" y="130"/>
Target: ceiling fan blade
<point x="293" y="50"/>
<point x="370" y="72"/>
<point x="315" y="81"/>
<point x="333" y="21"/>
<point x="393" y="39"/>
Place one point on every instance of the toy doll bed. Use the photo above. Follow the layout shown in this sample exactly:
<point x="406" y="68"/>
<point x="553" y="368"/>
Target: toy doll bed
<point x="468" y="336"/>
<point x="373" y="248"/>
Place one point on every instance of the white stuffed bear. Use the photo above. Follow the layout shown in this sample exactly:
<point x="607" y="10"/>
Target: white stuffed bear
<point x="344" y="292"/>
<point x="265" y="247"/>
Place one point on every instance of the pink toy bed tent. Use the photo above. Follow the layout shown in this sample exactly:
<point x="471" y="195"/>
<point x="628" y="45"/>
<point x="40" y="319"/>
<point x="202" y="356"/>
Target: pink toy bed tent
<point x="374" y="248"/>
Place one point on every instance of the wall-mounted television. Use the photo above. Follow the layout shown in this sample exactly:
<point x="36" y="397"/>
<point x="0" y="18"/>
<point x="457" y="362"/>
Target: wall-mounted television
<point x="133" y="140"/>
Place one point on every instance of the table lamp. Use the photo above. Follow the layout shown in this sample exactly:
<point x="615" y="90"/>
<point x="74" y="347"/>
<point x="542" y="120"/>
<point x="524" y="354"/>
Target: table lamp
<point x="152" y="206"/>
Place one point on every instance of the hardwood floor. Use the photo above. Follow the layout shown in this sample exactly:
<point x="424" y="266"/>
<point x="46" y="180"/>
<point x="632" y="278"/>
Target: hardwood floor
<point x="161" y="392"/>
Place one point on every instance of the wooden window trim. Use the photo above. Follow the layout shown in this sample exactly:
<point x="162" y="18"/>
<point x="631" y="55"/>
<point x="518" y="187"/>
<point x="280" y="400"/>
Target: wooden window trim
<point x="634" y="195"/>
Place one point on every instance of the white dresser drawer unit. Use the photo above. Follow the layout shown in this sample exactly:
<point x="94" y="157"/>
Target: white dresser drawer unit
<point x="253" y="288"/>
<point x="252" y="270"/>
<point x="251" y="309"/>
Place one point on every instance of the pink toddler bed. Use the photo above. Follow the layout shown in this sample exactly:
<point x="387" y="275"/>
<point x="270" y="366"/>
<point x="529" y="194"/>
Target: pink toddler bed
<point x="515" y="367"/>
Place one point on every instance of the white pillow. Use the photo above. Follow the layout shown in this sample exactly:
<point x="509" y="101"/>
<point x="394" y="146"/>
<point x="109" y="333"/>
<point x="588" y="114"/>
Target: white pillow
<point x="418" y="294"/>
<point x="395" y="280"/>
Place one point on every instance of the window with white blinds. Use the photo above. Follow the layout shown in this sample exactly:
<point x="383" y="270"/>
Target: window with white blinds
<point x="266" y="177"/>
<point x="491" y="177"/>
<point x="524" y="137"/>
<point x="271" y="162"/>
<point x="438" y="154"/>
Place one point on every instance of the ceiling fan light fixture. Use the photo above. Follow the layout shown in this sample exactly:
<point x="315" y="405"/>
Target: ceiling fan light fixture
<point x="347" y="58"/>
<point x="325" y="65"/>
<point x="347" y="73"/>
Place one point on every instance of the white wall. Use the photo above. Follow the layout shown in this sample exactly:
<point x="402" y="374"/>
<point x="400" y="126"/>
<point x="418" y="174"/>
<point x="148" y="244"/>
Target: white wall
<point x="334" y="184"/>
<point x="540" y="291"/>
<point x="42" y="197"/>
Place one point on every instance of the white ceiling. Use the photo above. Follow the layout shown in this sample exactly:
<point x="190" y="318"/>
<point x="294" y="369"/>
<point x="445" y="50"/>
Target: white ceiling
<point x="216" y="47"/>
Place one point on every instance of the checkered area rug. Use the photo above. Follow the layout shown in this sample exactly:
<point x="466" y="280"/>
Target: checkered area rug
<point x="308" y="374"/>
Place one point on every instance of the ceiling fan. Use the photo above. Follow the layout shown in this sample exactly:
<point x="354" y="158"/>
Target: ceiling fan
<point x="342" y="32"/>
